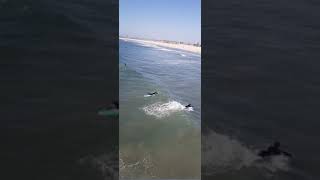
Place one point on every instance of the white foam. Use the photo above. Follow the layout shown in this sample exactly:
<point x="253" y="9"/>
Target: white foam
<point x="274" y="164"/>
<point x="147" y="45"/>
<point x="106" y="164"/>
<point x="161" y="110"/>
<point x="147" y="95"/>
<point x="164" y="49"/>
<point x="161" y="48"/>
<point x="189" y="109"/>
<point x="128" y="168"/>
<point x="224" y="153"/>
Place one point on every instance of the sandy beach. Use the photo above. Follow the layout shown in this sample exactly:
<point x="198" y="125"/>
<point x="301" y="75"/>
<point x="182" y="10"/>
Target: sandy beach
<point x="184" y="47"/>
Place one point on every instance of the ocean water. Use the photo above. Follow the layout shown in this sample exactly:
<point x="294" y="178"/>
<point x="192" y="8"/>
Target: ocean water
<point x="57" y="62"/>
<point x="260" y="74"/>
<point x="158" y="136"/>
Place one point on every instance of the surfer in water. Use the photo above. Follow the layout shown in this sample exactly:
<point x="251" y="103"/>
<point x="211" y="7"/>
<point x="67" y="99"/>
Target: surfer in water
<point x="153" y="93"/>
<point x="188" y="106"/>
<point x="273" y="150"/>
<point x="111" y="111"/>
<point x="115" y="104"/>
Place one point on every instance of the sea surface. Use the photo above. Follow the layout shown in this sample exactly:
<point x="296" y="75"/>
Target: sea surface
<point x="159" y="137"/>
<point x="58" y="69"/>
<point x="260" y="84"/>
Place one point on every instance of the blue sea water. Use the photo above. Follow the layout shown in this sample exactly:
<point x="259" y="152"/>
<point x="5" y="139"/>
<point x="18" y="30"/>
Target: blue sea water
<point x="159" y="137"/>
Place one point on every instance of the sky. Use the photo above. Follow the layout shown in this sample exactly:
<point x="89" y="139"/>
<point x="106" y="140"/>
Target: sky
<point x="177" y="20"/>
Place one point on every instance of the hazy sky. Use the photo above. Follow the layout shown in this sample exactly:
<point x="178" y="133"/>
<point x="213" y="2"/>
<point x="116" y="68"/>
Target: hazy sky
<point x="178" y="20"/>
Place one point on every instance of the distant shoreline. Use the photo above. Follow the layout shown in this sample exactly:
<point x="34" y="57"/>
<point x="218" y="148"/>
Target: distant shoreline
<point x="185" y="47"/>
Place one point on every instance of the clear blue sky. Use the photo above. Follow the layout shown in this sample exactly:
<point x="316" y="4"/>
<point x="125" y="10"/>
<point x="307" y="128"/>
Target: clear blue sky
<point x="178" y="20"/>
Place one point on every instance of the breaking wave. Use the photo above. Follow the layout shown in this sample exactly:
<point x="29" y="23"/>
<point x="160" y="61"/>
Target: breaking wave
<point x="223" y="154"/>
<point x="161" y="110"/>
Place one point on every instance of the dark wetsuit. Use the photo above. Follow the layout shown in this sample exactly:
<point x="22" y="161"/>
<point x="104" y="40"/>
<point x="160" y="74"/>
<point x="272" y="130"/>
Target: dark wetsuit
<point x="154" y="93"/>
<point x="187" y="106"/>
<point x="273" y="150"/>
<point x="116" y="104"/>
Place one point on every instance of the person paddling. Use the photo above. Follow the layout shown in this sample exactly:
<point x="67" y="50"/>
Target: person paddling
<point x="188" y="106"/>
<point x="273" y="150"/>
<point x="153" y="93"/>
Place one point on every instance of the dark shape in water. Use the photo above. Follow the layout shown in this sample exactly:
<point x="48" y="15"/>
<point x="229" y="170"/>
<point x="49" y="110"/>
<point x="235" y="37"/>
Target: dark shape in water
<point x="187" y="106"/>
<point x="116" y="104"/>
<point x="153" y="93"/>
<point x="112" y="111"/>
<point x="273" y="150"/>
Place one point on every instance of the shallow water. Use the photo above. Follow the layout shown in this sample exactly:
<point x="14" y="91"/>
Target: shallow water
<point x="159" y="137"/>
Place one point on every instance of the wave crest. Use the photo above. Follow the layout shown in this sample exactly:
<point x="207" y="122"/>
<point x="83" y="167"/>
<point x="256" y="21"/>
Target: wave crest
<point x="161" y="110"/>
<point x="223" y="154"/>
